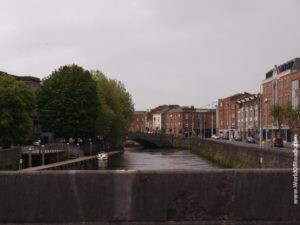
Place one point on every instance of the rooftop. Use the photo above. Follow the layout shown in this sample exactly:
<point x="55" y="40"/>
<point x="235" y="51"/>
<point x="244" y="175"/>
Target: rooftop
<point x="291" y="65"/>
<point x="22" y="78"/>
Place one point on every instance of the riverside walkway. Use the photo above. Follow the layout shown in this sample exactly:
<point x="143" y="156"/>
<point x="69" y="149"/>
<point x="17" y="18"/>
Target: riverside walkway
<point x="67" y="163"/>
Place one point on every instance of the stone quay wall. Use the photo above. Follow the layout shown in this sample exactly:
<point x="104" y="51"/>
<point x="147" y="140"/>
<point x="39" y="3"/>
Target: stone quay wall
<point x="242" y="156"/>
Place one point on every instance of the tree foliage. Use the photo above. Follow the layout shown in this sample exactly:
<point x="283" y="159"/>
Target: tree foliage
<point x="116" y="107"/>
<point x="288" y="115"/>
<point x="68" y="103"/>
<point x="278" y="114"/>
<point x="74" y="102"/>
<point x="292" y="117"/>
<point x="16" y="104"/>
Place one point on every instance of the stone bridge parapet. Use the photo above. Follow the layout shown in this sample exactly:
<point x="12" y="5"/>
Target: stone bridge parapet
<point x="231" y="197"/>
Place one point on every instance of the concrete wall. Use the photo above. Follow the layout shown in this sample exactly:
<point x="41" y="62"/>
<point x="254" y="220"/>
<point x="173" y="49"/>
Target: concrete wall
<point x="242" y="156"/>
<point x="10" y="156"/>
<point x="133" y="197"/>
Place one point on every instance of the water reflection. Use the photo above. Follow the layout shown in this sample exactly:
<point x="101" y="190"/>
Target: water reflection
<point x="150" y="159"/>
<point x="161" y="159"/>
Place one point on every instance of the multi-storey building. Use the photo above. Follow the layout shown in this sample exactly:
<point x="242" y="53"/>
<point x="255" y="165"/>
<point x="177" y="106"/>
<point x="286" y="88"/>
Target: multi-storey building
<point x="281" y="86"/>
<point x="157" y="118"/>
<point x="139" y="123"/>
<point x="191" y="121"/>
<point x="205" y="122"/>
<point x="248" y="116"/>
<point x="227" y="115"/>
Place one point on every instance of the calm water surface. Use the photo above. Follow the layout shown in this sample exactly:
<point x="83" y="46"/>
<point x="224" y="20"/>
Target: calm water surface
<point x="160" y="159"/>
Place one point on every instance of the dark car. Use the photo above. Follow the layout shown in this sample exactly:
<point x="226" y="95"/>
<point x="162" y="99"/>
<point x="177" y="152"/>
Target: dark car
<point x="225" y="137"/>
<point x="238" y="138"/>
<point x="277" y="142"/>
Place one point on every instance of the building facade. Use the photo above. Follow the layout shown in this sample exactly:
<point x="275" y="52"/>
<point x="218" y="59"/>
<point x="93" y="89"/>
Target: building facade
<point x="248" y="116"/>
<point x="191" y="121"/>
<point x="227" y="115"/>
<point x="139" y="122"/>
<point x="157" y="118"/>
<point x="280" y="86"/>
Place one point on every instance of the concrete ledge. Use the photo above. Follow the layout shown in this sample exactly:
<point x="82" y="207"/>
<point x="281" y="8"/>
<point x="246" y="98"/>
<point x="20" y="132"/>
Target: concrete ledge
<point x="168" y="223"/>
<point x="149" y="197"/>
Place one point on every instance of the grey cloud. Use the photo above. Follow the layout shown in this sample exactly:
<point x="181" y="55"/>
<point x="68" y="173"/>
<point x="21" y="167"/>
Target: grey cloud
<point x="189" y="52"/>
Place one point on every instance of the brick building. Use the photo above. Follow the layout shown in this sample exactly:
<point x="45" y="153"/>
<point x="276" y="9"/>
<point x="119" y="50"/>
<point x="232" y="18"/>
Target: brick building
<point x="227" y="115"/>
<point x="157" y="118"/>
<point x="280" y="86"/>
<point x="191" y="121"/>
<point x="248" y="116"/>
<point x="139" y="123"/>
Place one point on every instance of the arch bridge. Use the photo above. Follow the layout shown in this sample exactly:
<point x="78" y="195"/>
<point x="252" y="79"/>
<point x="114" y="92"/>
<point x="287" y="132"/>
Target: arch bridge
<point x="151" y="140"/>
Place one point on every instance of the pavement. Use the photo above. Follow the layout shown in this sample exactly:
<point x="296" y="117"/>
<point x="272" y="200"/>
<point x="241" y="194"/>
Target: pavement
<point x="266" y="146"/>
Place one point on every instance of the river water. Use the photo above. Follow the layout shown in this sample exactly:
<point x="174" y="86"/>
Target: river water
<point x="153" y="159"/>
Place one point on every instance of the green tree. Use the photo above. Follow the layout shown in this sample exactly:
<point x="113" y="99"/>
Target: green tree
<point x="68" y="103"/>
<point x="278" y="114"/>
<point x="116" y="107"/>
<point x="292" y="118"/>
<point x="16" y="104"/>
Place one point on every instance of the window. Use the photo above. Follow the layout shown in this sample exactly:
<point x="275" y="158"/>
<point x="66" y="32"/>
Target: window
<point x="295" y="87"/>
<point x="186" y="116"/>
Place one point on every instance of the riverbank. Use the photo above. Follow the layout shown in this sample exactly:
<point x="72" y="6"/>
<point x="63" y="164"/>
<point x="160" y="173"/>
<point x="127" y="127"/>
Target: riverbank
<point x="229" y="155"/>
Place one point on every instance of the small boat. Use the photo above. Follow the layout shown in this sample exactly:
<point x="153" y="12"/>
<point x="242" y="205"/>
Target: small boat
<point x="102" y="156"/>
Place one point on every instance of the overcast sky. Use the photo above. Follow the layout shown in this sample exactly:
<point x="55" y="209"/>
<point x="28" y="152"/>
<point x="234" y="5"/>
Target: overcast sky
<point x="187" y="52"/>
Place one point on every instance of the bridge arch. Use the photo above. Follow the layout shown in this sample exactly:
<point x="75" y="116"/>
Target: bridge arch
<point x="144" y="143"/>
<point x="151" y="140"/>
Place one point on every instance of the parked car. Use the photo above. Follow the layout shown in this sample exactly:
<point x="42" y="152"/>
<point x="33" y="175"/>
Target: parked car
<point x="238" y="138"/>
<point x="216" y="137"/>
<point x="277" y="142"/>
<point x="225" y="137"/>
<point x="250" y="140"/>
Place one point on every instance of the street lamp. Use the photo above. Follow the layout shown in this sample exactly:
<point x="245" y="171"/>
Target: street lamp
<point x="260" y="119"/>
<point x="267" y="131"/>
<point x="212" y="122"/>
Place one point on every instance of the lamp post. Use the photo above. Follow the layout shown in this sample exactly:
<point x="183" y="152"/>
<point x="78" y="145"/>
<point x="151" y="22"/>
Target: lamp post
<point x="267" y="131"/>
<point x="260" y="120"/>
<point x="29" y="157"/>
<point x="91" y="147"/>
<point x="68" y="150"/>
<point x="212" y="122"/>
<point x="43" y="154"/>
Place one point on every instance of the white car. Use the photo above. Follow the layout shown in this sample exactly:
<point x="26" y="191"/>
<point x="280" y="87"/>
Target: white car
<point x="215" y="137"/>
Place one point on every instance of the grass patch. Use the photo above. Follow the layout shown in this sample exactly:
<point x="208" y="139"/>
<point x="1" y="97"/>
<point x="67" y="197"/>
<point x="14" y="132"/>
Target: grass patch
<point x="214" y="158"/>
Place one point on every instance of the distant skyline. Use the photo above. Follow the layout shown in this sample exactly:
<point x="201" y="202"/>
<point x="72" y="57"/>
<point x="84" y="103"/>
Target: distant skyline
<point x="186" y="52"/>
